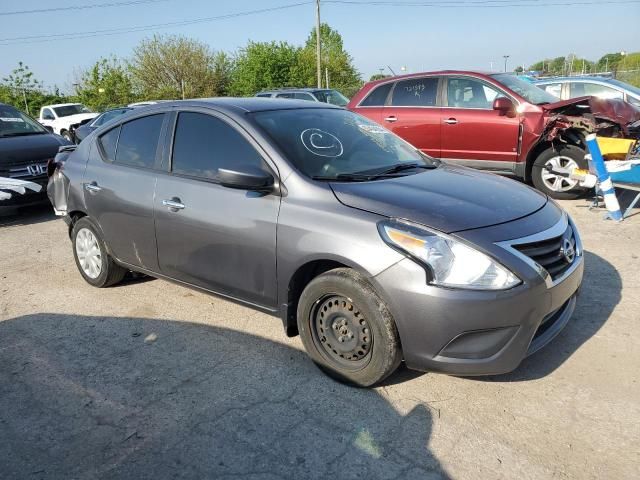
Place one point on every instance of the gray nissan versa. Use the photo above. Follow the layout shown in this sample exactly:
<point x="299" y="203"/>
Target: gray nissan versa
<point x="373" y="252"/>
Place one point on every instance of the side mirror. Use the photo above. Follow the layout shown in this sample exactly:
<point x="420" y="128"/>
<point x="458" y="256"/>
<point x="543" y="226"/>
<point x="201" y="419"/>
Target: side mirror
<point x="246" y="178"/>
<point x="504" y="105"/>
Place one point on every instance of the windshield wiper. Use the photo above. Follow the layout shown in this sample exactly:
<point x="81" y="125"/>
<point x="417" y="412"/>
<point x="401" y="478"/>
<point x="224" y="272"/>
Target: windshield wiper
<point x="405" y="166"/>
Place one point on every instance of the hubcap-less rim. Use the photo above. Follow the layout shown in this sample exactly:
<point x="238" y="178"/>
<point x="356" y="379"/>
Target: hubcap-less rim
<point x="555" y="182"/>
<point x="341" y="332"/>
<point x="88" y="252"/>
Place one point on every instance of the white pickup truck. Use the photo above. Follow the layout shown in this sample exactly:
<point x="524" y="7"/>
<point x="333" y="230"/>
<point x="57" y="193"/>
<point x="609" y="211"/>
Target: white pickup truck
<point x="64" y="118"/>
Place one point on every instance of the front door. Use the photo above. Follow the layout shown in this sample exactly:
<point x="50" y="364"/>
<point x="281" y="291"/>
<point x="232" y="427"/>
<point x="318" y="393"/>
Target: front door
<point x="414" y="115"/>
<point x="215" y="237"/>
<point x="118" y="188"/>
<point x="472" y="132"/>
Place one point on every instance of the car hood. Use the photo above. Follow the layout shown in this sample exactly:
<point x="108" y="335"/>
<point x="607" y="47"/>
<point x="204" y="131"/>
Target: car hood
<point x="449" y="198"/>
<point x="38" y="148"/>
<point x="78" y="117"/>
<point x="612" y="109"/>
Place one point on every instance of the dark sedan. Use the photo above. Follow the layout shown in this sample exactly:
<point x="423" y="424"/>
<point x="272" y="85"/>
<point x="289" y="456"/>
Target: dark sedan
<point x="372" y="251"/>
<point x="25" y="148"/>
<point x="84" y="130"/>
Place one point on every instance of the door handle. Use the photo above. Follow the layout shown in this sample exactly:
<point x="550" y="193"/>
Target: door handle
<point x="174" y="204"/>
<point x="391" y="119"/>
<point x="92" y="187"/>
<point x="450" y="121"/>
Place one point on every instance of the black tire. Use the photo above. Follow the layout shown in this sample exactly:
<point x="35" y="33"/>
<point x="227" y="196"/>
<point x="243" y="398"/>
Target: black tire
<point x="564" y="154"/>
<point x="349" y="306"/>
<point x="110" y="272"/>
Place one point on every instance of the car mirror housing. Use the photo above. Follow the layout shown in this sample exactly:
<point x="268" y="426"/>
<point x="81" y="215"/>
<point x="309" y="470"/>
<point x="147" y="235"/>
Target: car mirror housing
<point x="504" y="106"/>
<point x="246" y="178"/>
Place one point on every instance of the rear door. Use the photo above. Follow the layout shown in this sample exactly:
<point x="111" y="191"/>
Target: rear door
<point x="119" y="185"/>
<point x="218" y="238"/>
<point x="472" y="132"/>
<point x="413" y="113"/>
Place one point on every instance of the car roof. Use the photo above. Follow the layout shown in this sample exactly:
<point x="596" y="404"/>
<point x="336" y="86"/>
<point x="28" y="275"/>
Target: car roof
<point x="567" y="79"/>
<point x="480" y="73"/>
<point x="244" y="104"/>
<point x="60" y="105"/>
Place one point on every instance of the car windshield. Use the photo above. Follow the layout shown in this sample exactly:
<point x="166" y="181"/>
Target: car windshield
<point x="110" y="115"/>
<point x="68" y="110"/>
<point x="626" y="86"/>
<point x="526" y="90"/>
<point x="13" y="123"/>
<point x="331" y="96"/>
<point x="333" y="144"/>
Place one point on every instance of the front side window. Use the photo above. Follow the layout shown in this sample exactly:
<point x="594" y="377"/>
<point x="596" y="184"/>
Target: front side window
<point x="138" y="141"/>
<point x="331" y="143"/>
<point x="417" y="92"/>
<point x="203" y="144"/>
<point x="470" y="93"/>
<point x="68" y="110"/>
<point x="378" y="96"/>
<point x="554" y="89"/>
<point x="47" y="114"/>
<point x="581" y="89"/>
<point x="108" y="142"/>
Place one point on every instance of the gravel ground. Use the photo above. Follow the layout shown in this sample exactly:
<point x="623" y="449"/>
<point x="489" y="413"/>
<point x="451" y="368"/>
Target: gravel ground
<point x="152" y="380"/>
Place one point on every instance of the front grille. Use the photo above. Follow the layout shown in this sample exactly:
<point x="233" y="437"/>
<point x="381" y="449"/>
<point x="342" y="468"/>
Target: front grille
<point x="552" y="254"/>
<point x="31" y="171"/>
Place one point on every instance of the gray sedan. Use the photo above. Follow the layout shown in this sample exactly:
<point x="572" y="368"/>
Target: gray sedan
<point x="373" y="252"/>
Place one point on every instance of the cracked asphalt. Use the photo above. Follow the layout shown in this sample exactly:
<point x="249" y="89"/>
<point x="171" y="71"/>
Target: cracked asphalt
<point x="149" y="380"/>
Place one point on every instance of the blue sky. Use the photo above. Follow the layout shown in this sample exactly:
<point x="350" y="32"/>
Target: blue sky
<point x="420" y="38"/>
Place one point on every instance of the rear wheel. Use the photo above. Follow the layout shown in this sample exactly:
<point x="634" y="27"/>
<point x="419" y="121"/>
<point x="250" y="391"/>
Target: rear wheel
<point x="563" y="160"/>
<point x="347" y="329"/>
<point x="94" y="263"/>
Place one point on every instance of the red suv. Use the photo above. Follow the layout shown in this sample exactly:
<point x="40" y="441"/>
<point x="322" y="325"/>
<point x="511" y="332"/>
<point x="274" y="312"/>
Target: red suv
<point x="496" y="122"/>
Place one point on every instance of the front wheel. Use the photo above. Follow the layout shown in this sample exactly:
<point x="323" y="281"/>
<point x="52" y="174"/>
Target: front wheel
<point x="563" y="160"/>
<point x="347" y="329"/>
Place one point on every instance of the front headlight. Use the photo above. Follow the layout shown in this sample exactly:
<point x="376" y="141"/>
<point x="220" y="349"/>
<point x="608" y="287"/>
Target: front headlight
<point x="450" y="263"/>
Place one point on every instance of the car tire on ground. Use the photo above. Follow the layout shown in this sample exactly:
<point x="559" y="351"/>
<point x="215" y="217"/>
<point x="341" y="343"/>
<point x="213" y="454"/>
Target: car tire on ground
<point x="347" y="329"/>
<point x="94" y="263"/>
<point x="562" y="159"/>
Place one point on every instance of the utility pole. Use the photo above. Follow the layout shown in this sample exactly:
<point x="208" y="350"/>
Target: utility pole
<point x="318" y="65"/>
<point x="326" y="74"/>
<point x="505" y="61"/>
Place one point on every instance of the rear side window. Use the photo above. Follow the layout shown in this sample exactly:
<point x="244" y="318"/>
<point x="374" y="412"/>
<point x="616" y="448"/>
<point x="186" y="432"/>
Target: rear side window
<point x="378" y="96"/>
<point x="138" y="141"/>
<point x="203" y="144"/>
<point x="417" y="92"/>
<point x="108" y="142"/>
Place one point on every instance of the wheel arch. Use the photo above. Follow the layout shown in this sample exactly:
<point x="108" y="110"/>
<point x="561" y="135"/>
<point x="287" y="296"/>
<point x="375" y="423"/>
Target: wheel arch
<point x="570" y="136"/>
<point x="298" y="281"/>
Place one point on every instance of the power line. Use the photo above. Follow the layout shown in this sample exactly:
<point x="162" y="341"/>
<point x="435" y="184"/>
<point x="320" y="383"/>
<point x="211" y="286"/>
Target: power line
<point x="141" y="28"/>
<point x="80" y="7"/>
<point x="477" y="4"/>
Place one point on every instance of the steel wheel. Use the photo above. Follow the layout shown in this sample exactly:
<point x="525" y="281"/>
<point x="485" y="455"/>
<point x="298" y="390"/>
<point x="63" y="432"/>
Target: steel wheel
<point x="88" y="252"/>
<point x="557" y="183"/>
<point x="341" y="332"/>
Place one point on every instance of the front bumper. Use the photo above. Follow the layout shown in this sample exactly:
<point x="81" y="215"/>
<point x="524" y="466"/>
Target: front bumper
<point x="466" y="332"/>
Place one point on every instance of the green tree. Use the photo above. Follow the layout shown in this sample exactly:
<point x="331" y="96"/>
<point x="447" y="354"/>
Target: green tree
<point x="106" y="84"/>
<point x="377" y="76"/>
<point x="609" y="62"/>
<point x="262" y="65"/>
<point x="168" y="67"/>
<point x="335" y="61"/>
<point x="22" y="90"/>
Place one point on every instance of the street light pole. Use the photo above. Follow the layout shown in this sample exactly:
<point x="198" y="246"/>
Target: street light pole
<point x="505" y="61"/>
<point x="318" y="65"/>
